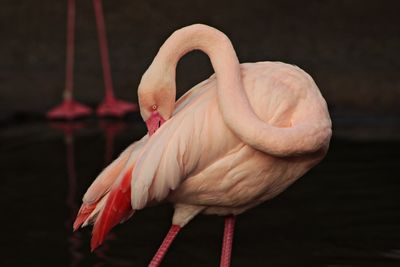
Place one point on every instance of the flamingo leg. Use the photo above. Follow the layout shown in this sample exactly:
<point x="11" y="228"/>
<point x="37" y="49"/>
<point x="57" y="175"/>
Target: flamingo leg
<point x="110" y="106"/>
<point x="69" y="109"/>
<point x="227" y="241"/>
<point x="172" y="233"/>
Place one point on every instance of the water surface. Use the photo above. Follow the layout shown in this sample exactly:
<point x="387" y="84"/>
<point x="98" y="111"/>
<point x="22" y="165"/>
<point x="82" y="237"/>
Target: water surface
<point x="345" y="212"/>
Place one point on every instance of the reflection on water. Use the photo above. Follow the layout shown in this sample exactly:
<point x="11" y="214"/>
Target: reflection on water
<point x="111" y="129"/>
<point x="343" y="213"/>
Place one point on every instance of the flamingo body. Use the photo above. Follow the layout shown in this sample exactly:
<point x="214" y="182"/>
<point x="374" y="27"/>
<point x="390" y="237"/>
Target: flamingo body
<point x="202" y="163"/>
<point x="199" y="161"/>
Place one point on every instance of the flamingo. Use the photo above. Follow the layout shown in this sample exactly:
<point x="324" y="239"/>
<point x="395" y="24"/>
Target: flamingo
<point x="230" y="143"/>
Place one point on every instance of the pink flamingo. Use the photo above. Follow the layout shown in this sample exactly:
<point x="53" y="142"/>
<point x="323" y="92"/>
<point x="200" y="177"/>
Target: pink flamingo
<point x="233" y="141"/>
<point x="71" y="109"/>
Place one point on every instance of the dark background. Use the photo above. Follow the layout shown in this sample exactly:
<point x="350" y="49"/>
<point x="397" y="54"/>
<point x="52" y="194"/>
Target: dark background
<point x="351" y="48"/>
<point x="344" y="212"/>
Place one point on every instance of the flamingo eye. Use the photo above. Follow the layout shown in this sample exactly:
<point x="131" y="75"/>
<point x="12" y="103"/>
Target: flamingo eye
<point x="154" y="107"/>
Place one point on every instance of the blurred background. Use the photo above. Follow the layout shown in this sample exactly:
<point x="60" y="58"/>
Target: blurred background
<point x="349" y="47"/>
<point x="343" y="213"/>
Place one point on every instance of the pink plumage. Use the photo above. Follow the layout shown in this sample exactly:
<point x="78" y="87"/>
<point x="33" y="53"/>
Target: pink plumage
<point x="83" y="214"/>
<point x="117" y="208"/>
<point x="232" y="142"/>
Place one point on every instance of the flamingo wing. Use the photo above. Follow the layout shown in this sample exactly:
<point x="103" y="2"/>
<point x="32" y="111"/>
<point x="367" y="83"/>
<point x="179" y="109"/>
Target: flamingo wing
<point x="150" y="168"/>
<point x="96" y="196"/>
<point x="181" y="147"/>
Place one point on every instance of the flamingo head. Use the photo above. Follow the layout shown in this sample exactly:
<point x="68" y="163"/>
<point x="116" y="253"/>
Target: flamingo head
<point x="156" y="101"/>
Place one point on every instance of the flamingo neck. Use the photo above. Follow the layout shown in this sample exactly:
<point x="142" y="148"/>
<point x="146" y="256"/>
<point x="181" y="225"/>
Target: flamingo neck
<point x="234" y="105"/>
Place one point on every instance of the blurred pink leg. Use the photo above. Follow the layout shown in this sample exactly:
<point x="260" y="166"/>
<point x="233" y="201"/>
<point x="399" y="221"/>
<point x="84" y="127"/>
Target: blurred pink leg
<point x="227" y="242"/>
<point x="110" y="105"/>
<point x="157" y="259"/>
<point x="69" y="108"/>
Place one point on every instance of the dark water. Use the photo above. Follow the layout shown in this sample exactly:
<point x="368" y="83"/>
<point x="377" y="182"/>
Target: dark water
<point x="345" y="212"/>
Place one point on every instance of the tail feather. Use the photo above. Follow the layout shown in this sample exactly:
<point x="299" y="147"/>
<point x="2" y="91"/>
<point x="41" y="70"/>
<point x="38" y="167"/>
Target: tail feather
<point x="83" y="214"/>
<point x="99" y="189"/>
<point x="117" y="209"/>
<point x="108" y="176"/>
<point x="107" y="202"/>
<point x="93" y="216"/>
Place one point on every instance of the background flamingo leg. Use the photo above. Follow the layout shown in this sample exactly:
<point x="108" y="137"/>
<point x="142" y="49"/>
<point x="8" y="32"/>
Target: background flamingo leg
<point x="110" y="106"/>
<point x="227" y="241"/>
<point x="172" y="233"/>
<point x="69" y="109"/>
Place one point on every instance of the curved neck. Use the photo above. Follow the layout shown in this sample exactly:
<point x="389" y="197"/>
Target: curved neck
<point x="232" y="98"/>
<point x="234" y="104"/>
<point x="199" y="37"/>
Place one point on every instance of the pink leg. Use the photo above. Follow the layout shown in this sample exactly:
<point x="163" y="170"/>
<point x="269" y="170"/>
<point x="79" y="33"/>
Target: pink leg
<point x="157" y="259"/>
<point x="110" y="106"/>
<point x="227" y="242"/>
<point x="69" y="108"/>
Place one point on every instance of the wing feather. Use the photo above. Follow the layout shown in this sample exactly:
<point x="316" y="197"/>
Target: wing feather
<point x="164" y="160"/>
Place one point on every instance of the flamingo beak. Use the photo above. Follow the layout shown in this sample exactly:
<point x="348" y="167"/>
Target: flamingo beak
<point x="154" y="122"/>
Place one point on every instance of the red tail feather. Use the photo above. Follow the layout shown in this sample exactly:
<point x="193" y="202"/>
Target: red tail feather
<point x="118" y="207"/>
<point x="83" y="214"/>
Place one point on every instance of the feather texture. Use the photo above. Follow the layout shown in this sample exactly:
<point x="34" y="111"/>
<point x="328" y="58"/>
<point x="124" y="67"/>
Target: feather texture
<point x="195" y="161"/>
